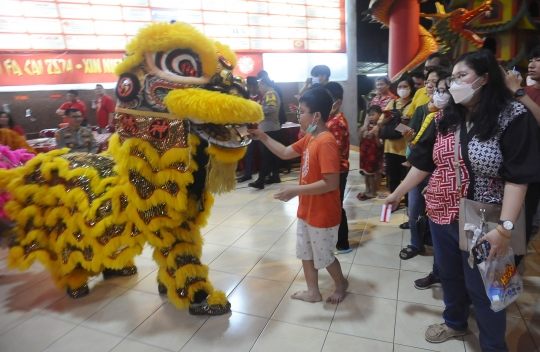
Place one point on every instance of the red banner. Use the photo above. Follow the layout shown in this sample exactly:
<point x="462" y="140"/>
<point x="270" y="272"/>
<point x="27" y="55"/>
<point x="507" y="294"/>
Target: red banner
<point x="248" y="64"/>
<point x="74" y="68"/>
<point x="37" y="68"/>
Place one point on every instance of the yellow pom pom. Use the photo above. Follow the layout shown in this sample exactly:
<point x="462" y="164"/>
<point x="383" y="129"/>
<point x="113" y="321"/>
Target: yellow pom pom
<point x="218" y="297"/>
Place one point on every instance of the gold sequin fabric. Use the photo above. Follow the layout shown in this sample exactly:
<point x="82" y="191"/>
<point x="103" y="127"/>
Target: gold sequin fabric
<point x="102" y="164"/>
<point x="161" y="132"/>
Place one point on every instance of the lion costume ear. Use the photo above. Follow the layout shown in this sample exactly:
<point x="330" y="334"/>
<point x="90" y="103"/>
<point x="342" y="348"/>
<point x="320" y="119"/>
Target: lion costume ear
<point x="161" y="37"/>
<point x="226" y="52"/>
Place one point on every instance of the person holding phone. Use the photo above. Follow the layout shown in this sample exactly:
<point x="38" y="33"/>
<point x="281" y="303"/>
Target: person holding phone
<point x="498" y="156"/>
<point x="320" y="74"/>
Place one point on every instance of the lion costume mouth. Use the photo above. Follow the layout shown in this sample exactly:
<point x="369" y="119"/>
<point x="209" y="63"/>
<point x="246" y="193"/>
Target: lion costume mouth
<point x="223" y="120"/>
<point x="227" y="136"/>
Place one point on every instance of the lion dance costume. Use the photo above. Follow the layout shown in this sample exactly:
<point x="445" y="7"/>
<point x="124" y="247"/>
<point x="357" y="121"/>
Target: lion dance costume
<point x="177" y="143"/>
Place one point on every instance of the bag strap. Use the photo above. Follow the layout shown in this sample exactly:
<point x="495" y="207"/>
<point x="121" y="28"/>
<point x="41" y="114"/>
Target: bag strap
<point x="456" y="161"/>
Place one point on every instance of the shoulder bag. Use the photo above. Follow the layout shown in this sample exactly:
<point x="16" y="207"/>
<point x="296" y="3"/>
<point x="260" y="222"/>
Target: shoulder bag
<point x="472" y="212"/>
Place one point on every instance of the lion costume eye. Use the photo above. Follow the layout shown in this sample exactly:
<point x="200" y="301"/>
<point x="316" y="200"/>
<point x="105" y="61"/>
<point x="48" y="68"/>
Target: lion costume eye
<point x="179" y="62"/>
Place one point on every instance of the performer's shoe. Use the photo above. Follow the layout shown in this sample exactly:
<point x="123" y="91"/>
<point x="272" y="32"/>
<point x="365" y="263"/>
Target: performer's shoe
<point x="78" y="292"/>
<point x="204" y="308"/>
<point x="127" y="271"/>
<point x="162" y="289"/>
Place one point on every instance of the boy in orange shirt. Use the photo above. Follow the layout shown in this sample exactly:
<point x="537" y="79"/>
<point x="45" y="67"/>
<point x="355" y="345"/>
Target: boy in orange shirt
<point x="319" y="209"/>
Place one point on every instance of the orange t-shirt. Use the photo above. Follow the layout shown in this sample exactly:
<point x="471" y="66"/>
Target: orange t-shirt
<point x="319" y="156"/>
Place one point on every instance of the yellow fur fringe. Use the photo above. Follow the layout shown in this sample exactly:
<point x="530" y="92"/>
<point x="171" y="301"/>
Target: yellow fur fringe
<point x="226" y="155"/>
<point x="218" y="297"/>
<point x="164" y="36"/>
<point x="213" y="107"/>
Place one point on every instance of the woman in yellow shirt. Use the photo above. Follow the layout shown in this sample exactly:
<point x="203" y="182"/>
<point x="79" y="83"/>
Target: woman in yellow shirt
<point x="396" y="147"/>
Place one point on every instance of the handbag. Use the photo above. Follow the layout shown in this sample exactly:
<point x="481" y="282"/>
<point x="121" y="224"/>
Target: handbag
<point x="388" y="131"/>
<point x="472" y="212"/>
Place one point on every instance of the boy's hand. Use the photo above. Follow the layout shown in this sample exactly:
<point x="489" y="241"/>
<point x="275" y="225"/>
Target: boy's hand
<point x="285" y="194"/>
<point x="257" y="135"/>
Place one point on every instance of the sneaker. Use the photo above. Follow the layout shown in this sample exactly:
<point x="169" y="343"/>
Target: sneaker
<point x="342" y="251"/>
<point x="438" y="333"/>
<point x="426" y="282"/>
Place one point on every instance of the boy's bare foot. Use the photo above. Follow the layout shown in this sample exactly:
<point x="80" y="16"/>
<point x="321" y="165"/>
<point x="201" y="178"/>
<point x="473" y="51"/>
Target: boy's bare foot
<point x="339" y="292"/>
<point x="306" y="296"/>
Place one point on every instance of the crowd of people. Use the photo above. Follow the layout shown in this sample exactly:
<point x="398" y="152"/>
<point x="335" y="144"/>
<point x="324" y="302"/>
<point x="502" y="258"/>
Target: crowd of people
<point x="470" y="131"/>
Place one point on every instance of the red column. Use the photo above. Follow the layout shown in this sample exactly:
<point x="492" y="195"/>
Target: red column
<point x="404" y="34"/>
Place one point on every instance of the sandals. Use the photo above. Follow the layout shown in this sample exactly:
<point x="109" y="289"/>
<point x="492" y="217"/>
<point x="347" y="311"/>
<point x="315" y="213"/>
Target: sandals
<point x="405" y="226"/>
<point x="363" y="196"/>
<point x="410" y="252"/>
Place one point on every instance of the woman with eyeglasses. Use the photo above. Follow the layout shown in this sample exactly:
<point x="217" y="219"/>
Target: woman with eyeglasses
<point x="417" y="205"/>
<point x="498" y="156"/>
<point x="395" y="146"/>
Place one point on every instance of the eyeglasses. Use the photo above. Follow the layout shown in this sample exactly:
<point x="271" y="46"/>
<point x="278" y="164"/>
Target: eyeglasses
<point x="76" y="116"/>
<point x="430" y="83"/>
<point x="458" y="78"/>
<point x="441" y="92"/>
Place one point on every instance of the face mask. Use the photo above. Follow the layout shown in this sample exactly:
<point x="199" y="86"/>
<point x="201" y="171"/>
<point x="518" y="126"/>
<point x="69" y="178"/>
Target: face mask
<point x="530" y="81"/>
<point x="403" y="93"/>
<point x="311" y="128"/>
<point x="463" y="93"/>
<point x="315" y="80"/>
<point x="441" y="101"/>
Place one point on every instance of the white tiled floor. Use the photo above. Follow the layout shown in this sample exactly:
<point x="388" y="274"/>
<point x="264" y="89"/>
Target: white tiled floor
<point x="250" y="248"/>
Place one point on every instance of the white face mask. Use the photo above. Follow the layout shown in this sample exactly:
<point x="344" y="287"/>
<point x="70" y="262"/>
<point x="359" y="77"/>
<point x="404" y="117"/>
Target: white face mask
<point x="463" y="93"/>
<point x="441" y="101"/>
<point x="530" y="81"/>
<point x="403" y="92"/>
<point x="315" y="80"/>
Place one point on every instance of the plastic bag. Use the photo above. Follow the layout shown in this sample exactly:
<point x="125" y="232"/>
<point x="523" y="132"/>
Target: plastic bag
<point x="501" y="280"/>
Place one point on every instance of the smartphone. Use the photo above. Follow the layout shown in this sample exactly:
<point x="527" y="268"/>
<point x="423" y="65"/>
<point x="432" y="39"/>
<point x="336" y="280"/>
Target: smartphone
<point x="481" y="252"/>
<point x="402" y="128"/>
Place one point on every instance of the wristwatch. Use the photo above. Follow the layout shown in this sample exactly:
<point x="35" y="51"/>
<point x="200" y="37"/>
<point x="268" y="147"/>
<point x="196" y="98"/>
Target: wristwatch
<point x="506" y="224"/>
<point x="519" y="93"/>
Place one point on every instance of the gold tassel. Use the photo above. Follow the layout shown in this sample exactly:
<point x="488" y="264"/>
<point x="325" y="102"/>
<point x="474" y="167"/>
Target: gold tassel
<point x="220" y="177"/>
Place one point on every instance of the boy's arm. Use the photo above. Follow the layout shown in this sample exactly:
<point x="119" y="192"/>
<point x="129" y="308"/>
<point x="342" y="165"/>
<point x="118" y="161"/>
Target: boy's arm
<point x="275" y="147"/>
<point x="329" y="183"/>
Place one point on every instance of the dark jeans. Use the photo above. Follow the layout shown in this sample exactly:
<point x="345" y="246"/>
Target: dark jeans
<point x="395" y="172"/>
<point x="248" y="158"/>
<point x="531" y="206"/>
<point x="343" y="232"/>
<point x="269" y="161"/>
<point x="460" y="284"/>
<point x="417" y="207"/>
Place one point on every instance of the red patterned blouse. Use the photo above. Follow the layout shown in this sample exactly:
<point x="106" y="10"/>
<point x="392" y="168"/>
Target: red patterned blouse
<point x="339" y="128"/>
<point x="382" y="102"/>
